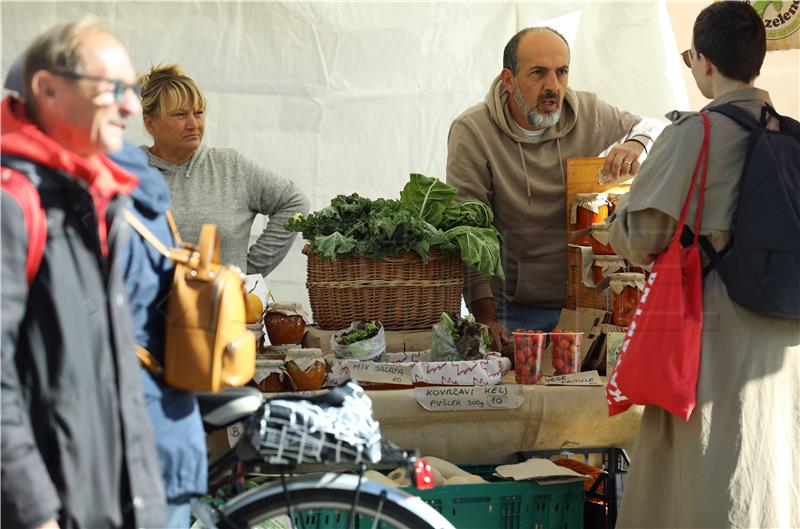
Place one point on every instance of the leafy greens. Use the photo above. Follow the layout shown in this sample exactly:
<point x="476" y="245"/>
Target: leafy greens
<point x="424" y="218"/>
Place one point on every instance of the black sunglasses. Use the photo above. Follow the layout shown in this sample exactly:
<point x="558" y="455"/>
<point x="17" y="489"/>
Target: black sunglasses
<point x="120" y="87"/>
<point x="687" y="58"/>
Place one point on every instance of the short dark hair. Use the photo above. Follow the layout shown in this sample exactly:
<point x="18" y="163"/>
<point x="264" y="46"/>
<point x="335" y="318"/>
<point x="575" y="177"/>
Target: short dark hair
<point x="510" y="57"/>
<point x="731" y="35"/>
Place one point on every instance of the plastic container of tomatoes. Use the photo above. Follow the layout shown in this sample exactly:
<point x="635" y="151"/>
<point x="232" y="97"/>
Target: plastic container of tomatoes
<point x="566" y="351"/>
<point x="529" y="349"/>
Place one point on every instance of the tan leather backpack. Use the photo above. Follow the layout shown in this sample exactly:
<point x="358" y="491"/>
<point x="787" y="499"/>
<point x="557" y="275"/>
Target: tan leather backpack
<point x="207" y="344"/>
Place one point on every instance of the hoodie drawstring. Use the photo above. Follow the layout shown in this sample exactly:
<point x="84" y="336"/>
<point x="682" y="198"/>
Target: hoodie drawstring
<point x="561" y="164"/>
<point x="525" y="170"/>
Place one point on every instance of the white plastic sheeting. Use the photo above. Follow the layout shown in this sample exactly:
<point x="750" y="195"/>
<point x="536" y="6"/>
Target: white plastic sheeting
<point x="352" y="97"/>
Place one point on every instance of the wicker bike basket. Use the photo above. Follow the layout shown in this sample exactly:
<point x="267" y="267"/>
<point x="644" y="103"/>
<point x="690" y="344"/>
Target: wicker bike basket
<point x="401" y="292"/>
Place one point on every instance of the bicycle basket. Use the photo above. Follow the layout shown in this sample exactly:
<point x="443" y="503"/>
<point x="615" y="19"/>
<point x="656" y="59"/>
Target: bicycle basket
<point x="286" y="432"/>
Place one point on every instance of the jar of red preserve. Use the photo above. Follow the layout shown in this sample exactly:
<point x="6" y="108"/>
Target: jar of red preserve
<point x="588" y="209"/>
<point x="626" y="287"/>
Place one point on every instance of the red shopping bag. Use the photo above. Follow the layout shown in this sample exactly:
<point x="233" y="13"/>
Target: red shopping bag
<point x="660" y="358"/>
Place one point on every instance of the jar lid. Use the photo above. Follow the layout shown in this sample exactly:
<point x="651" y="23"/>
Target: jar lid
<point x="589" y="196"/>
<point x="599" y="226"/>
<point x="311" y="352"/>
<point x="607" y="258"/>
<point x="284" y="305"/>
<point x="621" y="280"/>
<point x="268" y="362"/>
<point x="629" y="276"/>
<point x="288" y="308"/>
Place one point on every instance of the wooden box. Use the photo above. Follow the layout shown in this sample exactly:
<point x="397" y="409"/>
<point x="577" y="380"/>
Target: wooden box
<point x="578" y="294"/>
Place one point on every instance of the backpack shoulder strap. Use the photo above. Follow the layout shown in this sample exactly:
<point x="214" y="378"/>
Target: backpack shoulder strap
<point x="174" y="229"/>
<point x="736" y="114"/>
<point x="148" y="235"/>
<point x="18" y="184"/>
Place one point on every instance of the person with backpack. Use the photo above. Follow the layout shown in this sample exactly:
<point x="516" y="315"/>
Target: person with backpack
<point x="179" y="435"/>
<point x="736" y="461"/>
<point x="77" y="447"/>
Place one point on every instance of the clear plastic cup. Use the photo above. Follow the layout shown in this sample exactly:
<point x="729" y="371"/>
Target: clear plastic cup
<point x="528" y="352"/>
<point x="566" y="351"/>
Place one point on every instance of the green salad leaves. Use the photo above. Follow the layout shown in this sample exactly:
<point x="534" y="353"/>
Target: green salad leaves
<point x="423" y="218"/>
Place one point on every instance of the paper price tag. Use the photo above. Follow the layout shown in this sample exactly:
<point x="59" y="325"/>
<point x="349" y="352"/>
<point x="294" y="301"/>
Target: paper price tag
<point x="456" y="398"/>
<point x="382" y="373"/>
<point x="586" y="378"/>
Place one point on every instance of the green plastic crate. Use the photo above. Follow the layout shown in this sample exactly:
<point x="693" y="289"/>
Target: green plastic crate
<point x="493" y="505"/>
<point x="508" y="505"/>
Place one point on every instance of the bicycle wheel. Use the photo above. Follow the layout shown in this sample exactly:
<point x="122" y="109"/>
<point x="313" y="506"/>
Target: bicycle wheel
<point x="325" y="502"/>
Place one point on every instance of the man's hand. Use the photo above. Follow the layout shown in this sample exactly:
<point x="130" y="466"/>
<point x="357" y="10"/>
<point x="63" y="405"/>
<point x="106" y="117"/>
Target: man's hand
<point x="52" y="524"/>
<point x="622" y="162"/>
<point x="483" y="310"/>
<point x="500" y="338"/>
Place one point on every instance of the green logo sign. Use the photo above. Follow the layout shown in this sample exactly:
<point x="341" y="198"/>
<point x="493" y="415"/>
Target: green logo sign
<point x="781" y="19"/>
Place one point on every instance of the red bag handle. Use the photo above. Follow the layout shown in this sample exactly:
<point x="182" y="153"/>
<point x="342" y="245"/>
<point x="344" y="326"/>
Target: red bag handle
<point x="701" y="159"/>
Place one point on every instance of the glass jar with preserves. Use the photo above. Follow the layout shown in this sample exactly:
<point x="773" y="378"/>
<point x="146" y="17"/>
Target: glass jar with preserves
<point x="605" y="265"/>
<point x="626" y="287"/>
<point x="306" y="368"/>
<point x="587" y="209"/>
<point x="286" y="323"/>
<point x="613" y="200"/>
<point x="270" y="375"/>
<point x="600" y="245"/>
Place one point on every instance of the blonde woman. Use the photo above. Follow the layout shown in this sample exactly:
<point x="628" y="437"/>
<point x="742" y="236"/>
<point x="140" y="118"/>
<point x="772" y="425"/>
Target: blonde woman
<point x="214" y="185"/>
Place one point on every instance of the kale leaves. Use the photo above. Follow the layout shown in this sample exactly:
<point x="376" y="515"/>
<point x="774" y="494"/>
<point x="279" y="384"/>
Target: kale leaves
<point x="423" y="218"/>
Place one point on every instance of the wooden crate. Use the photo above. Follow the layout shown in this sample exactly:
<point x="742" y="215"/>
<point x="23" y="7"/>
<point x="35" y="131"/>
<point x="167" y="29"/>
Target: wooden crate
<point x="578" y="294"/>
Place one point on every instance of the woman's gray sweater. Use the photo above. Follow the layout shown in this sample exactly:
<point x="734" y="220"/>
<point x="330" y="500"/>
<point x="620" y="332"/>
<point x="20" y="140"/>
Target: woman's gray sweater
<point x="222" y="187"/>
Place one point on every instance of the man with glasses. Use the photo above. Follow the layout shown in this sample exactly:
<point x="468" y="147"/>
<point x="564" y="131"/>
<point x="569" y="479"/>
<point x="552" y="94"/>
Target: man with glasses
<point x="77" y="445"/>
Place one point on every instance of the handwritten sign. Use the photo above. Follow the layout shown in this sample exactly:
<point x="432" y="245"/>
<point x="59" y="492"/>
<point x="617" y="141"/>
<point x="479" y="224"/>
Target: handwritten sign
<point x="383" y="373"/>
<point x="456" y="398"/>
<point x="586" y="378"/>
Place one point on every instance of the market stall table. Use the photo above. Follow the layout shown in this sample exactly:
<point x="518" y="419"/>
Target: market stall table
<point x="550" y="417"/>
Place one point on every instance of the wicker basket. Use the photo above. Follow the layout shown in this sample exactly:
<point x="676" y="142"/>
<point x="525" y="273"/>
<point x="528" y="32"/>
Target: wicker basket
<point x="401" y="292"/>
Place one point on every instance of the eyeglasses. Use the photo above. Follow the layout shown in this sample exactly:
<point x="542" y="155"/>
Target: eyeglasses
<point x="120" y="87"/>
<point x="686" y="55"/>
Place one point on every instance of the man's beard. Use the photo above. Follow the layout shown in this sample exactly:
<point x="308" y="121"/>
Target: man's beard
<point x="538" y="120"/>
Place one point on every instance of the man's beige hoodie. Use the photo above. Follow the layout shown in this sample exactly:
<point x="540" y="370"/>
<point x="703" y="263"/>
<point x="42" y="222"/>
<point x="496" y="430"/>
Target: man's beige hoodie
<point x="522" y="178"/>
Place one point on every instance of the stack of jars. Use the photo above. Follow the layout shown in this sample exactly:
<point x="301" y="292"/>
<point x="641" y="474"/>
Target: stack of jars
<point x="588" y="214"/>
<point x="587" y="210"/>
<point x="300" y="370"/>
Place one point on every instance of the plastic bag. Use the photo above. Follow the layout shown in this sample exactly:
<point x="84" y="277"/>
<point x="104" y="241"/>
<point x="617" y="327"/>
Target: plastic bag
<point x="368" y="349"/>
<point x="471" y="343"/>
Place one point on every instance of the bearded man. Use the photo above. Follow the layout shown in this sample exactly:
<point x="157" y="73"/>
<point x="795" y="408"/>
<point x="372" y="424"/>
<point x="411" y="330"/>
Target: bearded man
<point x="509" y="151"/>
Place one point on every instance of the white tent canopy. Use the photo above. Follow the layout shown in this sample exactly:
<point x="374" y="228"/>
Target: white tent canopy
<point x="352" y="97"/>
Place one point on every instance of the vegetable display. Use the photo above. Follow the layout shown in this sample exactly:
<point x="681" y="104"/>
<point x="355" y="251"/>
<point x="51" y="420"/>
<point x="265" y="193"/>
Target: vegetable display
<point x="361" y="331"/>
<point x="457" y="338"/>
<point x="424" y="218"/>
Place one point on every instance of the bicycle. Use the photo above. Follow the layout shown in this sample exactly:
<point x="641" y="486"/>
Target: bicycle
<point x="288" y="432"/>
